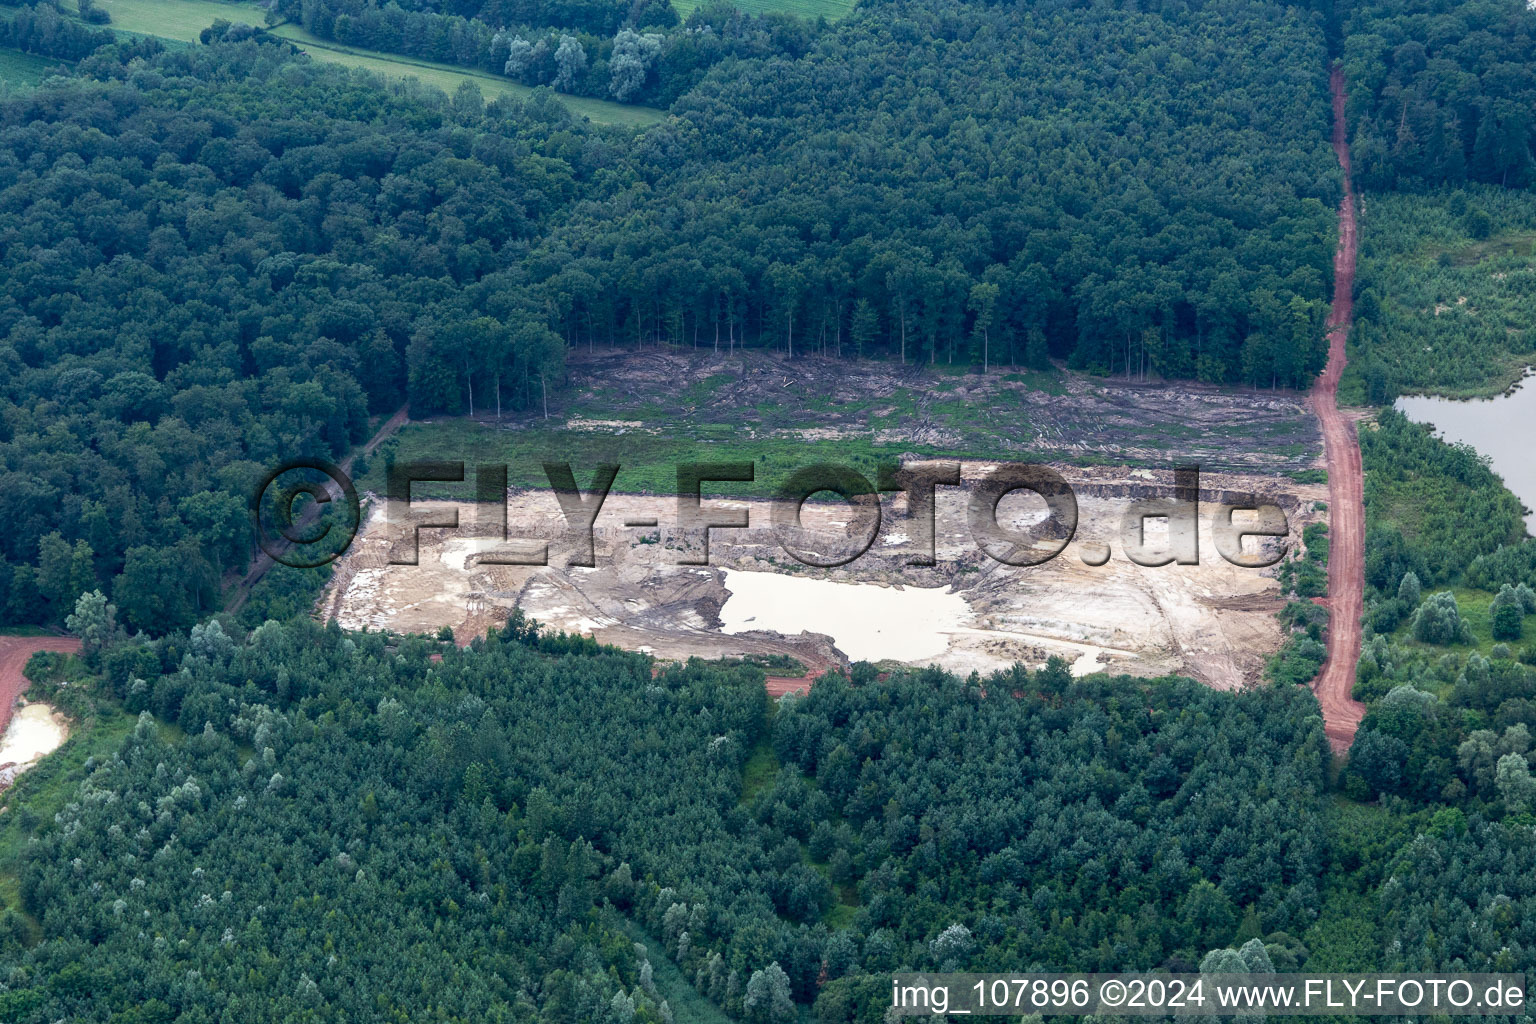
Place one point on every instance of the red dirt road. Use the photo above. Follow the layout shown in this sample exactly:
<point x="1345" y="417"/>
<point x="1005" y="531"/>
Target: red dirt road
<point x="1346" y="503"/>
<point x="14" y="652"/>
<point x="778" y="686"/>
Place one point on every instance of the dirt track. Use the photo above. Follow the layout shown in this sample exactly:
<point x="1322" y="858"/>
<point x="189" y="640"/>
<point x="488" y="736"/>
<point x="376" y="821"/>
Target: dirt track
<point x="263" y="562"/>
<point x="14" y="652"/>
<point x="1346" y="561"/>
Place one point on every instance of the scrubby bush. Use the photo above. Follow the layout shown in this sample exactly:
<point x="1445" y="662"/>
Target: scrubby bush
<point x="1439" y="621"/>
<point x="1508" y="623"/>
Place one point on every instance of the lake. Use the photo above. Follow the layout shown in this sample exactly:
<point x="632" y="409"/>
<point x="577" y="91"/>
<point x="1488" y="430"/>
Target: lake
<point x="1500" y="428"/>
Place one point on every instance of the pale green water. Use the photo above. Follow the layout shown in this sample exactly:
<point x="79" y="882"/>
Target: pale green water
<point x="867" y="622"/>
<point x="1503" y="428"/>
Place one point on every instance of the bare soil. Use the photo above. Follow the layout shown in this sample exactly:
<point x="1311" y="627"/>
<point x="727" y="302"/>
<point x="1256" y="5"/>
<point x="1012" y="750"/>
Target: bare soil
<point x="1113" y="439"/>
<point x="997" y="415"/>
<point x="1346" y="564"/>
<point x="14" y="652"/>
<point x="1213" y="620"/>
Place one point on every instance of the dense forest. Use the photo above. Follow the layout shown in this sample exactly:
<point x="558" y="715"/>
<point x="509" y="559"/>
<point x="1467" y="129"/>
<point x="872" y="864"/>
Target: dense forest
<point x="342" y="826"/>
<point x="987" y="184"/>
<point x="202" y="278"/>
<point x="1441" y="91"/>
<point x="306" y="821"/>
<point x="415" y="17"/>
<point x="1049" y="185"/>
<point x="630" y="52"/>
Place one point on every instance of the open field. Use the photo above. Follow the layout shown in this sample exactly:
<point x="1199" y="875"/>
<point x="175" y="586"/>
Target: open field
<point x="183" y="20"/>
<point x="1476" y="608"/>
<point x="1212" y="620"/>
<point x="23" y="70"/>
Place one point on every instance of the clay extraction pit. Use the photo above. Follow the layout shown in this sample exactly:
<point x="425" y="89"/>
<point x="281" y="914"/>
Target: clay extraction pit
<point x="1214" y="621"/>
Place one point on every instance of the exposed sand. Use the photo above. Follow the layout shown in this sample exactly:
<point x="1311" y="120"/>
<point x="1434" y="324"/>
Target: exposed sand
<point x="1214" y="621"/>
<point x="866" y="621"/>
<point x="15" y="652"/>
<point x="35" y="730"/>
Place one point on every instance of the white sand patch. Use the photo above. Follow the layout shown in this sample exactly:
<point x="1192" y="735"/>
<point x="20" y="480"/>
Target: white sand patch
<point x="584" y="424"/>
<point x="35" y="730"/>
<point x="867" y="622"/>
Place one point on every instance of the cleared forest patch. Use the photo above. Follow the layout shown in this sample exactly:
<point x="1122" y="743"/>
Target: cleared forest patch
<point x="1115" y="442"/>
<point x="650" y="410"/>
<point x="1212" y="620"/>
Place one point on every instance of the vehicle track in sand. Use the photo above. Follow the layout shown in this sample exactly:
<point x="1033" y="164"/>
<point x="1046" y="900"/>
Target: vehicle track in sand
<point x="1341" y="446"/>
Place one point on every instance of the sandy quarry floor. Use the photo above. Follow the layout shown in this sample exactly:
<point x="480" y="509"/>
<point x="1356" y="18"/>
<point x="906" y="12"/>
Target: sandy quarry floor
<point x="1213" y="620"/>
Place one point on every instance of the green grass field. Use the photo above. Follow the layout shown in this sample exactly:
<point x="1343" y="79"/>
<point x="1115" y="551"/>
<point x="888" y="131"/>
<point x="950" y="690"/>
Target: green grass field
<point x="1477" y="608"/>
<point x="183" y="20"/>
<point x="175" y="19"/>
<point x="648" y="461"/>
<point x="23" y="70"/>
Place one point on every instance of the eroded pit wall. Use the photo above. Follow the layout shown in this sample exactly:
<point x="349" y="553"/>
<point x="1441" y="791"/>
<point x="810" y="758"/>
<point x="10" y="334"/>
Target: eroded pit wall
<point x="1212" y="620"/>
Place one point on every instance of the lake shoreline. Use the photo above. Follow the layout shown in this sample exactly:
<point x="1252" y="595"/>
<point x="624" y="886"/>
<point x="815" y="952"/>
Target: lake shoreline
<point x="1492" y="426"/>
